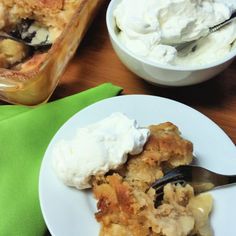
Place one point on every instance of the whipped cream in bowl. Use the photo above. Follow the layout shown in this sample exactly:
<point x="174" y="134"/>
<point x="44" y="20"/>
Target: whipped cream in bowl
<point x="97" y="148"/>
<point x="150" y="28"/>
<point x="144" y="32"/>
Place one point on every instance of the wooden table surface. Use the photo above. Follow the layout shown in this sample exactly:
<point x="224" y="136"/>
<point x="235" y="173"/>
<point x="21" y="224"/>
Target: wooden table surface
<point x="95" y="62"/>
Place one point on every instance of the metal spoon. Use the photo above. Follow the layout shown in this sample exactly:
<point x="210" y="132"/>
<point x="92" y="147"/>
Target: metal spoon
<point x="4" y="35"/>
<point x="24" y="34"/>
<point x="184" y="48"/>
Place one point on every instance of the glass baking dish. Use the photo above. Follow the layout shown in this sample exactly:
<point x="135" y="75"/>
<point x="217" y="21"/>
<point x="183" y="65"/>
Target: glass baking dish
<point x="36" y="85"/>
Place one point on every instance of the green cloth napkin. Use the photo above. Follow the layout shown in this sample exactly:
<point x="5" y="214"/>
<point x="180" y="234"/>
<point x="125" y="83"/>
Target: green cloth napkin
<point x="24" y="136"/>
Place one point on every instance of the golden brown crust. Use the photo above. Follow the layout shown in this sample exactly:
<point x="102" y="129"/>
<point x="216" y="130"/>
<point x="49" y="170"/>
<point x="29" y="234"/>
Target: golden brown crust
<point x="53" y="4"/>
<point x="114" y="196"/>
<point x="166" y="145"/>
<point x="50" y="13"/>
<point x="125" y="202"/>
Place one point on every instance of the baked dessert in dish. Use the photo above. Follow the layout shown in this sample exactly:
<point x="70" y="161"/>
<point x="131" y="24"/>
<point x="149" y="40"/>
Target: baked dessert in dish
<point x="31" y="20"/>
<point x="126" y="201"/>
<point x="29" y="74"/>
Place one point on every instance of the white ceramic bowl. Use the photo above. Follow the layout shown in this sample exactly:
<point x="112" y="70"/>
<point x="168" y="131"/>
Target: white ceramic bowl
<point x="158" y="73"/>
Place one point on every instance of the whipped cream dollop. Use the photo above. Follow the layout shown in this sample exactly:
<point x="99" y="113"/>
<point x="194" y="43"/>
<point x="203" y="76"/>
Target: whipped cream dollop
<point x="150" y="28"/>
<point x="97" y="148"/>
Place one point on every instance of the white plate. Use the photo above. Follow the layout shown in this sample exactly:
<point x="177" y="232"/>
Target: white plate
<point x="70" y="212"/>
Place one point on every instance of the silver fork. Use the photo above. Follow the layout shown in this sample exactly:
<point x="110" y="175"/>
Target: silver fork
<point x="184" y="48"/>
<point x="199" y="178"/>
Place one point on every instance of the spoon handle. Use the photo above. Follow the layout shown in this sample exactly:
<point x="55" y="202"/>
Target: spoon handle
<point x="226" y="22"/>
<point x="185" y="48"/>
<point x="42" y="46"/>
<point x="4" y="35"/>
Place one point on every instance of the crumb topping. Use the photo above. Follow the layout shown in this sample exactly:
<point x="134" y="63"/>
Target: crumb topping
<point x="126" y="201"/>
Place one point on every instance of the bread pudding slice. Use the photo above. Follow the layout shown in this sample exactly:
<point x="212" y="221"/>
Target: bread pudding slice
<point x="126" y="201"/>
